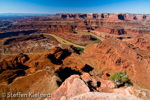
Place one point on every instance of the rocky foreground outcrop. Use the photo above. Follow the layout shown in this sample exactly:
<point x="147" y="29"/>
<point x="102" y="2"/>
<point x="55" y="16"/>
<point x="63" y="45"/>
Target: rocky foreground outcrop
<point x="102" y="96"/>
<point x="76" y="88"/>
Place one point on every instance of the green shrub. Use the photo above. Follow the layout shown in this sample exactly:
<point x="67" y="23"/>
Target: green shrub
<point x="64" y="41"/>
<point x="80" y="50"/>
<point x="120" y="78"/>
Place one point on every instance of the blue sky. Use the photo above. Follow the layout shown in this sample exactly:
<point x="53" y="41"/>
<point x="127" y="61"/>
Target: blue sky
<point x="75" y="6"/>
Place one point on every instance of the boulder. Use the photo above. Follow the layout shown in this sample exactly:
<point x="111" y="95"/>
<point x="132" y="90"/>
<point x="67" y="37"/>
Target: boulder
<point x="87" y="78"/>
<point x="72" y="86"/>
<point x="103" y="96"/>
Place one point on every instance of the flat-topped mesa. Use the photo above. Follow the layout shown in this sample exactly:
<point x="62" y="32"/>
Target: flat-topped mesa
<point x="88" y="15"/>
<point x="111" y="30"/>
<point x="137" y="17"/>
<point x="117" y="16"/>
<point x="81" y="37"/>
<point x="21" y="38"/>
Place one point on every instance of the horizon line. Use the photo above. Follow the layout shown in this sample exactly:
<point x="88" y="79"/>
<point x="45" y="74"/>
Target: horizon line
<point x="76" y="13"/>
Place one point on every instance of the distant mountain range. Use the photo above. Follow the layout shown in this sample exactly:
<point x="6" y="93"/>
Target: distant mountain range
<point x="5" y="16"/>
<point x="21" y="14"/>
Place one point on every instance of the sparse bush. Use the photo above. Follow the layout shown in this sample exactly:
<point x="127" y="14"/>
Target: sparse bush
<point x="80" y="50"/>
<point x="120" y="79"/>
<point x="64" y="41"/>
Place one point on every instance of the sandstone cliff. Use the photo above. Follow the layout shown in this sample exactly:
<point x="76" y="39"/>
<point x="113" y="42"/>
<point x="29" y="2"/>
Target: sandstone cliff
<point x="117" y="16"/>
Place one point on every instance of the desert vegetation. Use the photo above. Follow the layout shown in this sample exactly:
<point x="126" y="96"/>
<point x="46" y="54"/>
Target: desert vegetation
<point x="80" y="50"/>
<point x="120" y="79"/>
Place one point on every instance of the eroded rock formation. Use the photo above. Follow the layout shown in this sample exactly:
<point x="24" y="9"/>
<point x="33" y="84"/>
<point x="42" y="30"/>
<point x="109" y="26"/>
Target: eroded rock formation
<point x="117" y="16"/>
<point x="116" y="55"/>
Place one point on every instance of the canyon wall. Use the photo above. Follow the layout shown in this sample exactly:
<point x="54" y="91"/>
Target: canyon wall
<point x="116" y="16"/>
